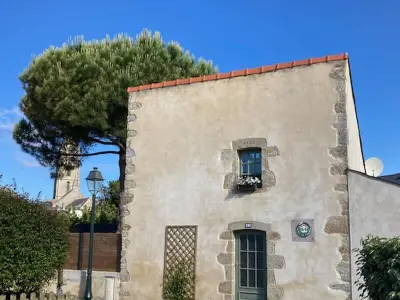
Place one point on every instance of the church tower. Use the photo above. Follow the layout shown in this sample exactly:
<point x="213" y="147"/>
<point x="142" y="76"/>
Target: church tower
<point x="67" y="187"/>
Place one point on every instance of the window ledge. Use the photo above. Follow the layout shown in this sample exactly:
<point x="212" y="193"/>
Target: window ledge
<point x="246" y="188"/>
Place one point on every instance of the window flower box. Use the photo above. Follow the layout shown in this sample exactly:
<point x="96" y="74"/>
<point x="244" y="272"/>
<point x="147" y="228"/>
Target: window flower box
<point x="247" y="183"/>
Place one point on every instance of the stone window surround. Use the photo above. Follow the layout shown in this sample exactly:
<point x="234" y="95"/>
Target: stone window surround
<point x="227" y="259"/>
<point x="267" y="177"/>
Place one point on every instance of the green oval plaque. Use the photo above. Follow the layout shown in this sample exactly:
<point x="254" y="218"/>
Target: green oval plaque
<point x="303" y="229"/>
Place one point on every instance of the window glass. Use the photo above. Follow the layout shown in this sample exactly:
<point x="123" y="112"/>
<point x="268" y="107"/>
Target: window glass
<point x="257" y="169"/>
<point x="260" y="260"/>
<point x="259" y="242"/>
<point x="252" y="169"/>
<point x="243" y="242"/>
<point x="252" y="260"/>
<point x="244" y="169"/>
<point x="260" y="278"/>
<point x="258" y="156"/>
<point x="243" y="259"/>
<point x="252" y="278"/>
<point x="251" y="157"/>
<point x="243" y="277"/>
<point x="250" y="163"/>
<point x="251" y="242"/>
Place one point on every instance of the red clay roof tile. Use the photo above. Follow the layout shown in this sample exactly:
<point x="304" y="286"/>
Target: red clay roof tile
<point x="246" y="72"/>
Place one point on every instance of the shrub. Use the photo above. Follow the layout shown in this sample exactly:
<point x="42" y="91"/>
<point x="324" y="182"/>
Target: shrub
<point x="378" y="268"/>
<point x="178" y="283"/>
<point x="33" y="242"/>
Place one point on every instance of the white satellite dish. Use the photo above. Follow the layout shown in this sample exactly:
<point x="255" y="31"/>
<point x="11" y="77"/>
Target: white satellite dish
<point x="373" y="166"/>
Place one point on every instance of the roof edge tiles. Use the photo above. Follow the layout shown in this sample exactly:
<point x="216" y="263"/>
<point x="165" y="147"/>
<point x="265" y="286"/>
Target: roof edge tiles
<point x="245" y="72"/>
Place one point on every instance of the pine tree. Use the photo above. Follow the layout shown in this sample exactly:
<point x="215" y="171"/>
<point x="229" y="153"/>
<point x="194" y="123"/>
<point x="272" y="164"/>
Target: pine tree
<point x="76" y="94"/>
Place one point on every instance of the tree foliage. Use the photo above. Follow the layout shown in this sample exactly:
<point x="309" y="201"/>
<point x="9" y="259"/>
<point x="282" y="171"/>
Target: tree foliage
<point x="106" y="209"/>
<point x="33" y="242"/>
<point x="106" y="213"/>
<point x="378" y="268"/>
<point x="76" y="94"/>
<point x="111" y="192"/>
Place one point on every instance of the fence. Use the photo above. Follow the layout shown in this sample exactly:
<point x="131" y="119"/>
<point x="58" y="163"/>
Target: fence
<point x="41" y="296"/>
<point x="106" y="251"/>
<point x="104" y="228"/>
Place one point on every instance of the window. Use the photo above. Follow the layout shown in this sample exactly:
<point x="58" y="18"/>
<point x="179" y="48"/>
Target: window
<point x="250" y="163"/>
<point x="68" y="172"/>
<point x="68" y="186"/>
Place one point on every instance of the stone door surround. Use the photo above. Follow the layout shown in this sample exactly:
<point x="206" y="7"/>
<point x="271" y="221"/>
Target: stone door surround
<point x="227" y="259"/>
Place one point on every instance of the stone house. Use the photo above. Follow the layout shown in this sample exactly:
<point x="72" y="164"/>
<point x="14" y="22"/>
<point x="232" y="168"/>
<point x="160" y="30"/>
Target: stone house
<point x="293" y="126"/>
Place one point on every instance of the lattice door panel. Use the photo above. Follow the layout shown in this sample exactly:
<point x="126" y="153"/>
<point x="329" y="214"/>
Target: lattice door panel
<point x="180" y="251"/>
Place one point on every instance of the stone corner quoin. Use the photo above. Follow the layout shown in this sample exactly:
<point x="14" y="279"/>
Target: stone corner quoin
<point x="128" y="197"/>
<point x="339" y="225"/>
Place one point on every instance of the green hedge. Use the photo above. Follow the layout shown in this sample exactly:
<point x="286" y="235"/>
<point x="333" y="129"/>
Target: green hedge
<point x="33" y="242"/>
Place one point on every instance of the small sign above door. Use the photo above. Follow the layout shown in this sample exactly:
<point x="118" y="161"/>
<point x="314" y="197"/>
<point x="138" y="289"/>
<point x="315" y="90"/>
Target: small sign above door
<point x="248" y="225"/>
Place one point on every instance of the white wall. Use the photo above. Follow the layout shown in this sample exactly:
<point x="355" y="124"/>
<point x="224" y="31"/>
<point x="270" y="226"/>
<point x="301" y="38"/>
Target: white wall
<point x="374" y="207"/>
<point x="355" y="155"/>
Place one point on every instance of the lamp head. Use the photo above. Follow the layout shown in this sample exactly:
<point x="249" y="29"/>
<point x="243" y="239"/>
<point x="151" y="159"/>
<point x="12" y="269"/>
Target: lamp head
<point x="94" y="180"/>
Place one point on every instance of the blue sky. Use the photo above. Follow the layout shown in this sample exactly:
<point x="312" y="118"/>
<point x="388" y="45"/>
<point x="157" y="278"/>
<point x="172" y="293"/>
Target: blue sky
<point x="234" y="34"/>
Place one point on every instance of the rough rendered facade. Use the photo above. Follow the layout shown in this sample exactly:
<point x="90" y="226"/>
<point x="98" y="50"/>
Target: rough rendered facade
<point x="188" y="140"/>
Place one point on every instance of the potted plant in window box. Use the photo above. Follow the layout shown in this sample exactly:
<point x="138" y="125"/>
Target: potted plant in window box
<point x="247" y="183"/>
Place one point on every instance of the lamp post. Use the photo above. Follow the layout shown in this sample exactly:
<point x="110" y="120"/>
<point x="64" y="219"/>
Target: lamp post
<point x="94" y="182"/>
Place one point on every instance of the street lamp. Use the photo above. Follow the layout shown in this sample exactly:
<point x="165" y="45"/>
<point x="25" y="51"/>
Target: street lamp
<point x="94" y="182"/>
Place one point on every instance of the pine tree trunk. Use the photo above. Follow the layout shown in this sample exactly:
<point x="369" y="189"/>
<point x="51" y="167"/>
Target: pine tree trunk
<point x="122" y="166"/>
